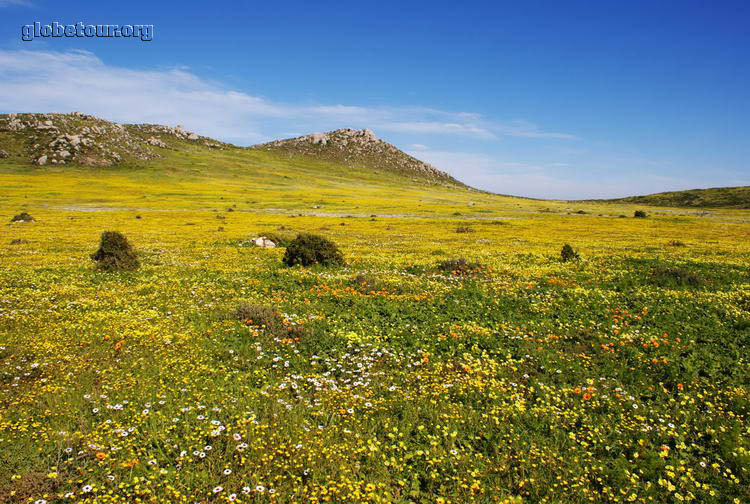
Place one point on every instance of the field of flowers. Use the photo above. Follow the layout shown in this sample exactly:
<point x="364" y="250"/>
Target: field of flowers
<point x="621" y="377"/>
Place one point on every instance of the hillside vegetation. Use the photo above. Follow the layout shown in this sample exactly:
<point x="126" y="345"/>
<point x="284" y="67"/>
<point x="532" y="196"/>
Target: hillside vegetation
<point x="455" y="356"/>
<point x="718" y="197"/>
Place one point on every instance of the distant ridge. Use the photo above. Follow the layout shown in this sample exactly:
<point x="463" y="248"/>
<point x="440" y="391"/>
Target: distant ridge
<point x="725" y="197"/>
<point x="352" y="147"/>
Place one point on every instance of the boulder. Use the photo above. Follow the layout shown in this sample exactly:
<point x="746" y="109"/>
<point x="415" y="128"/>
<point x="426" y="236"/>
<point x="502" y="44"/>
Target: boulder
<point x="42" y="160"/>
<point x="319" y="138"/>
<point x="262" y="241"/>
<point x="3" y="154"/>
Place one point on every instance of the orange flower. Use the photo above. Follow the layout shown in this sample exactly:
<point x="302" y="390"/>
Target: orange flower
<point x="680" y="386"/>
<point x="586" y="396"/>
<point x="101" y="455"/>
<point x="119" y="344"/>
<point x="577" y="390"/>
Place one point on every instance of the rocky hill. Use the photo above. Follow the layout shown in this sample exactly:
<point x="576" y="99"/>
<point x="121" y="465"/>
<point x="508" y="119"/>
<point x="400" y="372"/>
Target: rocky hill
<point x="85" y="139"/>
<point x="351" y="147"/>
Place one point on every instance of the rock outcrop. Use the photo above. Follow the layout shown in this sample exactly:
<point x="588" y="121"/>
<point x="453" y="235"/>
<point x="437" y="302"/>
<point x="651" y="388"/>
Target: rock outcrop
<point x="360" y="148"/>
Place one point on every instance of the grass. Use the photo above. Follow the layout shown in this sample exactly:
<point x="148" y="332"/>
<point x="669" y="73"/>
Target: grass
<point x="717" y="197"/>
<point x="619" y="377"/>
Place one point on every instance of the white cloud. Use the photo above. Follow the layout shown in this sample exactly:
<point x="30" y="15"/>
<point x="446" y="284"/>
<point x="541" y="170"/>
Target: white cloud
<point x="50" y="81"/>
<point x="14" y="3"/>
<point x="545" y="181"/>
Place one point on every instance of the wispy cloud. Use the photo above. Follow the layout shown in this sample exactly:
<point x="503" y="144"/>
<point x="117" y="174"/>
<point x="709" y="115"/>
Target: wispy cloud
<point x="16" y="3"/>
<point x="549" y="180"/>
<point x="46" y="81"/>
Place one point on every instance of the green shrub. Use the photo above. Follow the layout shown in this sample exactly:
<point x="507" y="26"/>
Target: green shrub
<point x="464" y="229"/>
<point x="640" y="214"/>
<point x="23" y="217"/>
<point x="115" y="253"/>
<point x="677" y="243"/>
<point x="568" y="254"/>
<point x="280" y="239"/>
<point x="308" y="249"/>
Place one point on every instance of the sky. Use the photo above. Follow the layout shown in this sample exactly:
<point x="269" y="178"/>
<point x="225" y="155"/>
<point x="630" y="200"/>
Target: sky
<point x="545" y="99"/>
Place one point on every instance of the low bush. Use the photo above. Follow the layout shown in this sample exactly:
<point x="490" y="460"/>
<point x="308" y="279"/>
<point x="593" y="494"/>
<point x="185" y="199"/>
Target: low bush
<point x="23" y="217"/>
<point x="308" y="249"/>
<point x="115" y="253"/>
<point x="640" y="214"/>
<point x="568" y="254"/>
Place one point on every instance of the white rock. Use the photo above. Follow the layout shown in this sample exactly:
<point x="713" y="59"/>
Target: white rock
<point x="319" y="138"/>
<point x="42" y="160"/>
<point x="262" y="241"/>
<point x="192" y="136"/>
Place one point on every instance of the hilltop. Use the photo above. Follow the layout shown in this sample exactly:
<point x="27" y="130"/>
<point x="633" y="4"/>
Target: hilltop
<point x="61" y="139"/>
<point x="359" y="148"/>
<point x="81" y="139"/>
<point x="717" y="197"/>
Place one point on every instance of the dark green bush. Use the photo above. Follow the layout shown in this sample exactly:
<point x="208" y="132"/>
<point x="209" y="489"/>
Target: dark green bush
<point x="308" y="249"/>
<point x="23" y="217"/>
<point x="640" y="214"/>
<point x="115" y="253"/>
<point x="568" y="254"/>
<point x="464" y="229"/>
<point x="280" y="239"/>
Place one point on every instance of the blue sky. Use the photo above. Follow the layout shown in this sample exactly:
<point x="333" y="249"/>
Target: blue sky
<point x="542" y="99"/>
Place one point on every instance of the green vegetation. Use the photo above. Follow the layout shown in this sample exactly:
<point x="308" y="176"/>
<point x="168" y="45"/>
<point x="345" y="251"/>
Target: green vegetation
<point x="115" y="253"/>
<point x="308" y="249"/>
<point x="411" y="374"/>
<point x="719" y="197"/>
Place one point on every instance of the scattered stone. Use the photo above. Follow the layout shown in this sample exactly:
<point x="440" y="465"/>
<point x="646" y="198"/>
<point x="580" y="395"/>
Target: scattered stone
<point x="156" y="142"/>
<point x="192" y="136"/>
<point x="42" y="160"/>
<point x="18" y="241"/>
<point x="3" y="154"/>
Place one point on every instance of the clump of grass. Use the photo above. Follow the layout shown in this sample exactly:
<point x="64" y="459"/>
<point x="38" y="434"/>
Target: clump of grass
<point x="115" y="253"/>
<point x="676" y="243"/>
<point x="308" y="249"/>
<point x="258" y="315"/>
<point x="23" y="217"/>
<point x="568" y="254"/>
<point x="639" y="214"/>
<point x="666" y="276"/>
<point x="267" y="318"/>
<point x="458" y="266"/>
<point x="464" y="229"/>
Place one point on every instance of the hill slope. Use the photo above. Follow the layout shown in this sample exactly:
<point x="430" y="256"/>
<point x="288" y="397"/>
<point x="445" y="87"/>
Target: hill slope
<point x="359" y="148"/>
<point x="726" y="197"/>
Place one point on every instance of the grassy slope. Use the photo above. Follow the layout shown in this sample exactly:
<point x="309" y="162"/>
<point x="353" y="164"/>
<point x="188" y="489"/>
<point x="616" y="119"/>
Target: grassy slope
<point x="718" y="197"/>
<point x="594" y="381"/>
